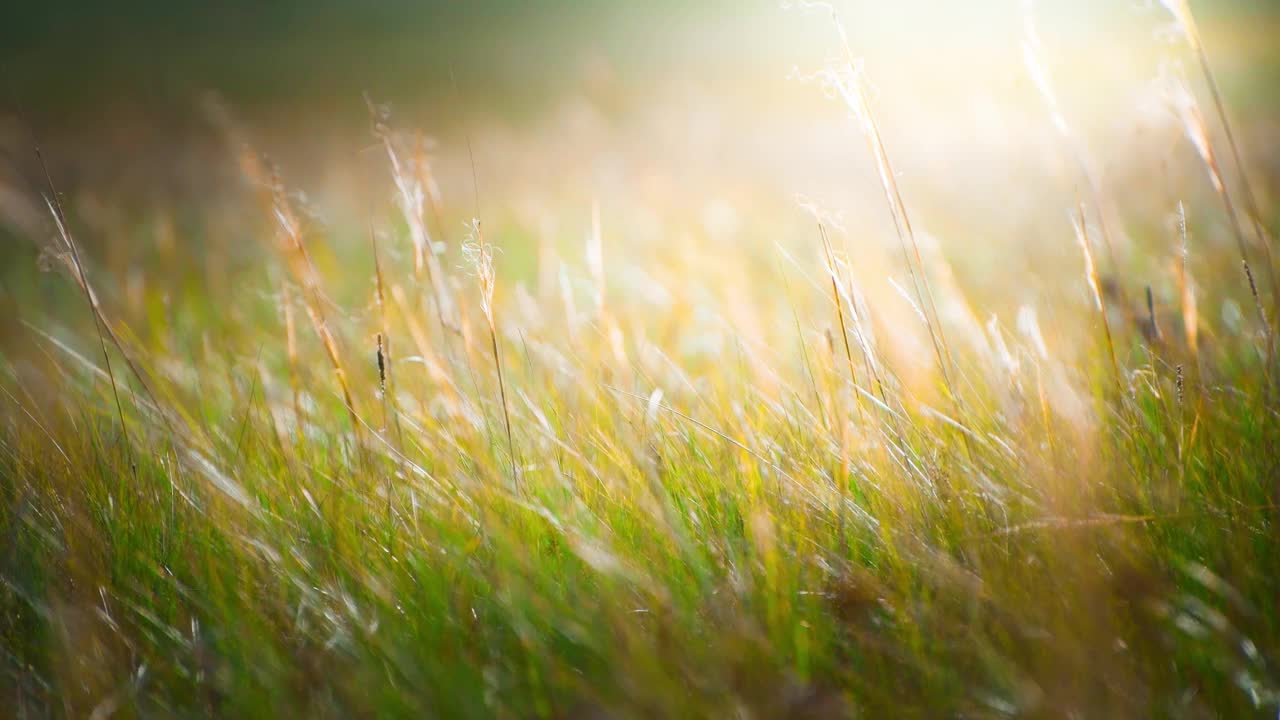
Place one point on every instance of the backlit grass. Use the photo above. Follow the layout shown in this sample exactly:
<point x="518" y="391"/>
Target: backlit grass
<point x="427" y="469"/>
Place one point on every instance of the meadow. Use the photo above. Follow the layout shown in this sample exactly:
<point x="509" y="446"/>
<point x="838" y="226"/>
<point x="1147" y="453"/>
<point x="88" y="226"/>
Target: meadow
<point x="462" y="453"/>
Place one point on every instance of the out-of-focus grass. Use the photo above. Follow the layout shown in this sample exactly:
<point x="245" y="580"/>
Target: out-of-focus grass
<point x="747" y="472"/>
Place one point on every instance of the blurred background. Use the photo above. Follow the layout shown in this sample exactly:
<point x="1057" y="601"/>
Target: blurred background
<point x="678" y="119"/>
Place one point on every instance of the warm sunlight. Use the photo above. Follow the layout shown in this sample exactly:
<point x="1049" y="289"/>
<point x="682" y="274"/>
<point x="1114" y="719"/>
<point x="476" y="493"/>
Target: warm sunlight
<point x="613" y="360"/>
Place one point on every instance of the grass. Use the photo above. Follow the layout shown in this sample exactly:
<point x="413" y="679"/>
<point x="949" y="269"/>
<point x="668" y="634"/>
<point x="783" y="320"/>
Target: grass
<point x="337" y="483"/>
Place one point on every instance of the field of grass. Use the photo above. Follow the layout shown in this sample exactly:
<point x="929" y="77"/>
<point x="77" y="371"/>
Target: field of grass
<point x="452" y="464"/>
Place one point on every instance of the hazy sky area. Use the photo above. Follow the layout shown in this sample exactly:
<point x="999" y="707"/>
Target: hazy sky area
<point x="265" y="53"/>
<point x="509" y="58"/>
<point x="696" y="99"/>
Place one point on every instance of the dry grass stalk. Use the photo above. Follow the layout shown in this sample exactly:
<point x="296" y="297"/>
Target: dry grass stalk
<point x="1091" y="274"/>
<point x="411" y="196"/>
<point x="386" y="386"/>
<point x="1197" y="131"/>
<point x="849" y="84"/>
<point x="1186" y="21"/>
<point x="99" y="322"/>
<point x="331" y="351"/>
<point x="1190" y="313"/>
<point x="436" y="371"/>
<point x="844" y="333"/>
<point x="71" y="258"/>
<point x="1031" y="48"/>
<point x="842" y="425"/>
<point x="291" y="351"/>
<point x="1153" y="324"/>
<point x="481" y="255"/>
<point x="290" y="230"/>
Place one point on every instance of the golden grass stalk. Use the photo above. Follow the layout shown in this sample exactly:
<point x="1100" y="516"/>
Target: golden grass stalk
<point x="55" y="208"/>
<point x="863" y="333"/>
<point x="290" y="229"/>
<point x="1181" y="11"/>
<point x="844" y="333"/>
<point x="321" y="327"/>
<point x="481" y="255"/>
<point x="435" y="370"/>
<point x="1197" y="131"/>
<point x="1091" y="274"/>
<point x="386" y="387"/>
<point x="411" y="195"/>
<point x="1190" y="314"/>
<point x="849" y="84"/>
<point x="101" y="326"/>
<point x="1031" y="48"/>
<point x="906" y="236"/>
<point x="853" y="378"/>
<point x="291" y="351"/>
<point x="427" y="179"/>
